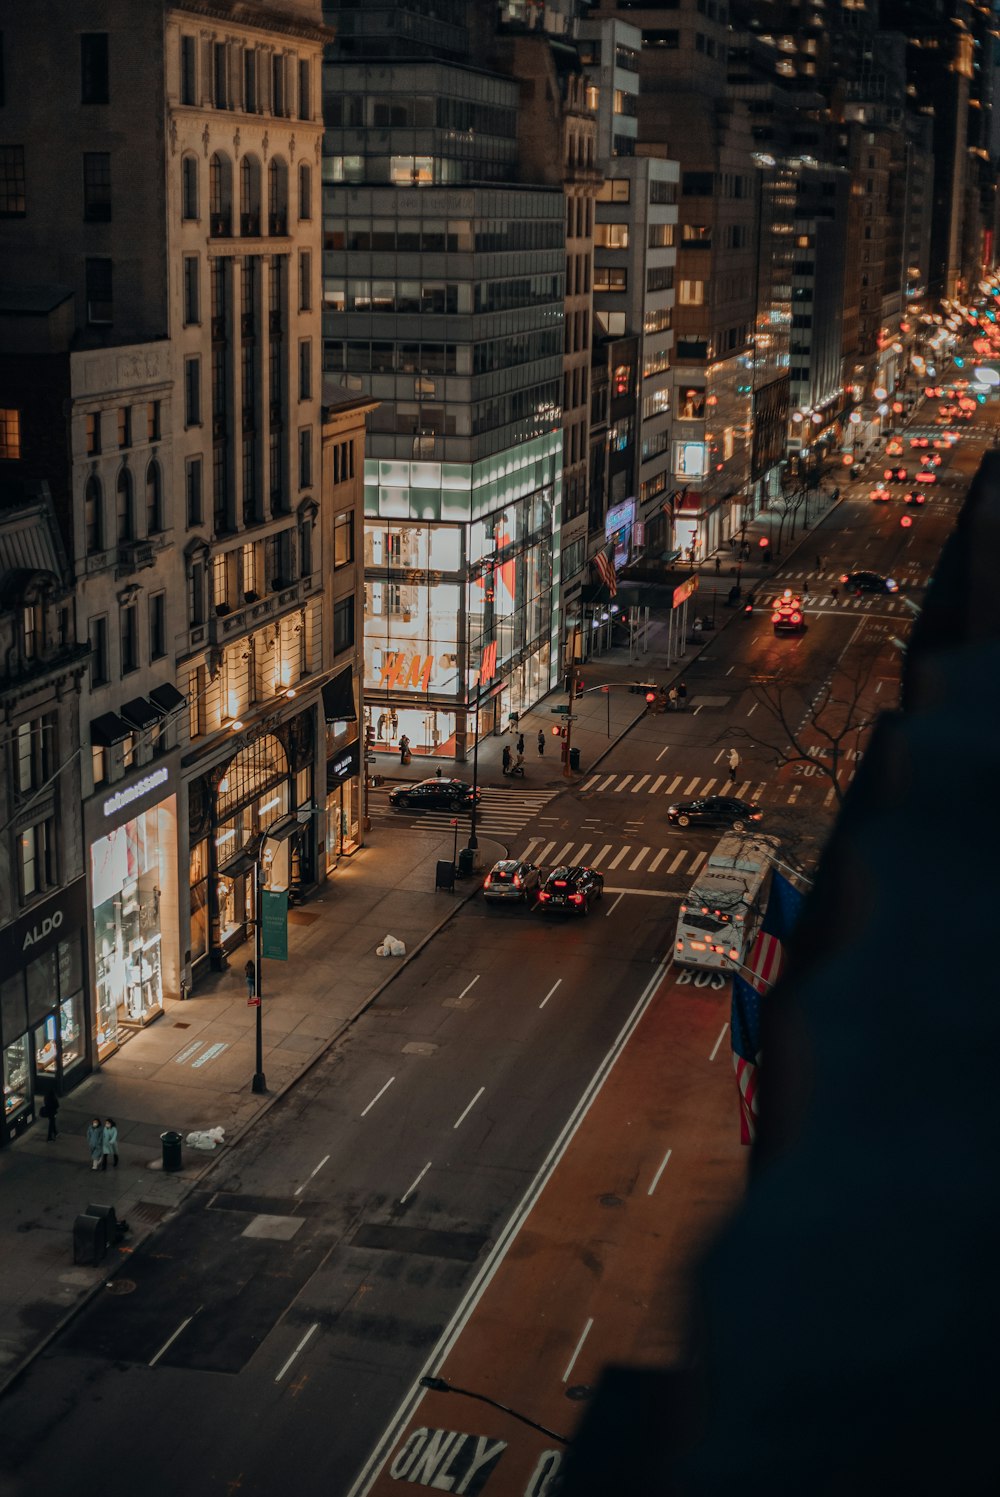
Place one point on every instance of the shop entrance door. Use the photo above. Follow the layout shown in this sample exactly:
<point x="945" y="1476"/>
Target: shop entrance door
<point x="45" y="1040"/>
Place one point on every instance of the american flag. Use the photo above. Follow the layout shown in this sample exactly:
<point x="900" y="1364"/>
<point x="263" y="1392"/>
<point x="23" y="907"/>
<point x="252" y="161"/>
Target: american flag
<point x="760" y="972"/>
<point x="605" y="569"/>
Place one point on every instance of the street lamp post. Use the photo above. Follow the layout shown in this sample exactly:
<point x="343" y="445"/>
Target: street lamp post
<point x="259" y="1083"/>
<point x="473" y="842"/>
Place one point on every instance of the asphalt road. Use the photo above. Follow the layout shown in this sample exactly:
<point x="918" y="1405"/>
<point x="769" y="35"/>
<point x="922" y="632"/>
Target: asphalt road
<point x="265" y="1336"/>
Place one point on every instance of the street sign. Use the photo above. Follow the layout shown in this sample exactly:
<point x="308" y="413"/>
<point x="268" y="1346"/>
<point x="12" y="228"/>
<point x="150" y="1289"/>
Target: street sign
<point x="274" y="924"/>
<point x="556" y="711"/>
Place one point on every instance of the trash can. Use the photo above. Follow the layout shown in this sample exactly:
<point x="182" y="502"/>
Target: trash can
<point x="90" y="1240"/>
<point x="465" y="861"/>
<point x="574" y="758"/>
<point x="110" y="1220"/>
<point x="171" y="1142"/>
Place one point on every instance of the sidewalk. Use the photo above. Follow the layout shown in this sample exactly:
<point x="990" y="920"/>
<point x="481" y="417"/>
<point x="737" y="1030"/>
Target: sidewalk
<point x="191" y="1070"/>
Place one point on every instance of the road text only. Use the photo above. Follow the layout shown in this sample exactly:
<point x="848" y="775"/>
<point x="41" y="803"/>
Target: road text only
<point x="447" y="1460"/>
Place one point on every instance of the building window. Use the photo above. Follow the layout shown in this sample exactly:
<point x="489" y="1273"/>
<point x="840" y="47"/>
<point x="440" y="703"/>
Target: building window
<point x="305" y="549"/>
<point x="305" y="91"/>
<point x="93" y="433"/>
<point x="93" y="516"/>
<point x="36" y="858"/>
<point x="94" y="67"/>
<point x="277" y="84"/>
<point x="30" y="755"/>
<point x="343" y="624"/>
<point x="250" y="80"/>
<point x="157" y="626"/>
<point x="305" y="190"/>
<point x="129" y="618"/>
<point x="97" y="187"/>
<point x="192" y="392"/>
<point x="277" y="196"/>
<point x="692" y="293"/>
<point x="189" y="187"/>
<point x="10" y="434"/>
<point x="99" y="665"/>
<point x="125" y="507"/>
<point x="99" y="764"/>
<point x="124" y="426"/>
<point x="611" y="236"/>
<point x="152" y="420"/>
<point x="100" y="299"/>
<point x="192" y="490"/>
<point x="305" y="457"/>
<point x="220" y="75"/>
<point x="343" y="539"/>
<point x="305" y="368"/>
<point x="13" y="202"/>
<point x="154" y="499"/>
<point x="305" y="281"/>
<point x="189" y="64"/>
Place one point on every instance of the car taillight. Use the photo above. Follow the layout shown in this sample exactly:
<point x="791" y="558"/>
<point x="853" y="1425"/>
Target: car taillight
<point x="576" y="899"/>
<point x="543" y="896"/>
<point x="796" y="618"/>
<point x="489" y="880"/>
<point x="844" y="577"/>
<point x="517" y="881"/>
<point x="756" y="815"/>
<point x="560" y="883"/>
<point x="776" y="618"/>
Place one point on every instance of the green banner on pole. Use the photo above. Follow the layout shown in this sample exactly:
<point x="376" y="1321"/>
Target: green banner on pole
<point x="274" y="924"/>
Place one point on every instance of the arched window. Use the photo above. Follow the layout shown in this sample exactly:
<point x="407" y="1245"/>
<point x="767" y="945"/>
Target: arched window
<point x="154" y="499"/>
<point x="277" y="196"/>
<point x="305" y="190"/>
<point x="93" y="515"/>
<point x="250" y="196"/>
<point x="220" y="195"/>
<point x="125" y="506"/>
<point x="189" y="187"/>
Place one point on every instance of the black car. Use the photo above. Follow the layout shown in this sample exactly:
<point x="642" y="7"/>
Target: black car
<point x="570" y="891"/>
<point x="715" y="810"/>
<point x="451" y="795"/>
<point x="511" y="881"/>
<point x="869" y="582"/>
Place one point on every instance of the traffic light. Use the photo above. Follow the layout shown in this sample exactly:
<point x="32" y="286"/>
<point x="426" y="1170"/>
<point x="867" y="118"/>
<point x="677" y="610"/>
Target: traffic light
<point x="369" y="738"/>
<point x="762" y="542"/>
<point x="555" y="730"/>
<point x="650" y="698"/>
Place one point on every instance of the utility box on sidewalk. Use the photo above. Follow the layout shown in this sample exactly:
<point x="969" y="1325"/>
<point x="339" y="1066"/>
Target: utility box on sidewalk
<point x="111" y="1229"/>
<point x="90" y="1240"/>
<point x="444" y="875"/>
<point x="171" y="1142"/>
<point x="466" y="858"/>
<point x="574" y="758"/>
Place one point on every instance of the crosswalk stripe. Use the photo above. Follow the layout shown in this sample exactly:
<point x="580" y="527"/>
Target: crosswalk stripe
<point x="592" y="781"/>
<point x="654" y="787"/>
<point x="624" y="782"/>
<point x="563" y="852"/>
<point x="673" y="784"/>
<point x="677" y="861"/>
<point x="595" y="862"/>
<point x="615" y="861"/>
<point x="527" y="851"/>
<point x="741" y="792"/>
<point x="607" y="782"/>
<point x="708" y="786"/>
<point x="689" y="789"/>
<point x="639" y="858"/>
<point x="544" y="854"/>
<point x="657" y="860"/>
<point x="758" y="792"/>
<point x="639" y="783"/>
<point x="697" y="861"/>
<point x="583" y="852"/>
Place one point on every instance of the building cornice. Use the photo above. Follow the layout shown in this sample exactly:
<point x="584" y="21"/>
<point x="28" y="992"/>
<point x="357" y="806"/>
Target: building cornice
<point x="257" y="18"/>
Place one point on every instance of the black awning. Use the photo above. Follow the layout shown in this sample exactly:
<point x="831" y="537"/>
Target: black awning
<point x="109" y="729"/>
<point x="140" y="713"/>
<point x="166" y="698"/>
<point x="338" y="699"/>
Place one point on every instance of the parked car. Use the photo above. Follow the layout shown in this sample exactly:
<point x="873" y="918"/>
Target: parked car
<point x="512" y="881"/>
<point x="570" y="891"/>
<point x="435" y="794"/>
<point x="715" y="810"/>
<point x="869" y="582"/>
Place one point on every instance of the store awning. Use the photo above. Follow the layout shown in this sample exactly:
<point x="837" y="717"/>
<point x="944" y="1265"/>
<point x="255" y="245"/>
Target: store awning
<point x="338" y="699"/>
<point x="140" y="713"/>
<point x="166" y="698"/>
<point x="109" y="729"/>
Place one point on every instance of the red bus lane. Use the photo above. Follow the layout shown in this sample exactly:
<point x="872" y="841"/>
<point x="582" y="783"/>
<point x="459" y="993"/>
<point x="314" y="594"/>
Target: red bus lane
<point x="598" y="1272"/>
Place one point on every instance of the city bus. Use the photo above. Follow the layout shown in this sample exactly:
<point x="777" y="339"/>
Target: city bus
<point x="725" y="905"/>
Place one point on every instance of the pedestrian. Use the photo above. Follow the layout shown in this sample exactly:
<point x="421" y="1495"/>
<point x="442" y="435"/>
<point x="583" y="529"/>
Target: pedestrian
<point x="519" y="763"/>
<point x="95" y="1142"/>
<point x="380" y="728"/>
<point x="718" y="565"/>
<point x="834" y="593"/>
<point x="110" y="1143"/>
<point x="767" y="556"/>
<point x="250" y="973"/>
<point x="404" y="750"/>
<point x="49" y="1109"/>
<point x="506" y="758"/>
<point x="682" y="695"/>
<point x="541" y="743"/>
<point x="696" y="625"/>
<point x="520" y="745"/>
<point x="673" y="696"/>
<point x="733" y="760"/>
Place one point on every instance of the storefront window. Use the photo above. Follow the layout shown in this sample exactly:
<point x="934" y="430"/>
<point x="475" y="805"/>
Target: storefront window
<point x="46" y="1048"/>
<point x="71" y="1030"/>
<point x="16" y="1076"/>
<point x="199" y="900"/>
<point x="129" y="868"/>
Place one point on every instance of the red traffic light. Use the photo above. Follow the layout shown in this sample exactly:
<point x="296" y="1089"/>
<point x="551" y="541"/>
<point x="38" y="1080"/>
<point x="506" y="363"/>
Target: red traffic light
<point x="650" y="697"/>
<point x="906" y="521"/>
<point x="762" y="542"/>
<point x="555" y="730"/>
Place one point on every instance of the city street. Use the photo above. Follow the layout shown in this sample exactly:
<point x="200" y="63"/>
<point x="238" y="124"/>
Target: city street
<point x="270" y="1331"/>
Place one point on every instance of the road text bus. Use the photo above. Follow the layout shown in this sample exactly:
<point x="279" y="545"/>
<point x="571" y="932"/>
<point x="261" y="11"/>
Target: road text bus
<point x="725" y="905"/>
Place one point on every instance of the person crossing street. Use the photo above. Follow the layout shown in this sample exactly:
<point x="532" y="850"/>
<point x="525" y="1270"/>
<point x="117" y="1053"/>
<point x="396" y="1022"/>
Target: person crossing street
<point x="734" y="761"/>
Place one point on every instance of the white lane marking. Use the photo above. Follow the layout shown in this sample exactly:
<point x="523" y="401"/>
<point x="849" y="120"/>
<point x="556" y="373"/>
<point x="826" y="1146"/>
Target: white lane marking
<point x="659" y="1172"/>
<point x="640" y="857"/>
<point x="471" y="1105"/>
<point x="758" y="792"/>
<point x="468" y="987"/>
<point x="533" y="843"/>
<point x="708" y="786"/>
<point x="878" y="687"/>
<point x="697" y="861"/>
<point x="582" y="853"/>
<point x="601" y="855"/>
<point x="171" y="1339"/>
<point x="677" y="861"/>
<point x="828" y="797"/>
<point x="550" y="992"/>
<point x="610" y="779"/>
<point x="563" y="853"/>
<point x="673" y="784"/>
<point x="753" y="709"/>
<point x="609" y="913"/>
<point x="545" y="851"/>
<point x="661" y="753"/>
<point x="579" y="1348"/>
<point x="722" y="1035"/>
<point x="625" y="850"/>
<point x="416" y="1182"/>
<point x="794" y="794"/>
<point x="690" y="787"/>
<point x="592" y="781"/>
<point x="645" y="893"/>
<point x="639" y="783"/>
<point x="303" y="1343"/>
<point x="729" y="672"/>
<point x="654" y="787"/>
<point x="625" y="780"/>
<point x="657" y="860"/>
<point x="326" y="1158"/>
<point x="414" y="1396"/>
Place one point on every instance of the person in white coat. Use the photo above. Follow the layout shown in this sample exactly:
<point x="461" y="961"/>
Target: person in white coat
<point x="109" y="1143"/>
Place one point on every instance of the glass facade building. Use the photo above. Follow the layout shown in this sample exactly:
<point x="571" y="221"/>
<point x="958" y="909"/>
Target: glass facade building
<point x="443" y="300"/>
